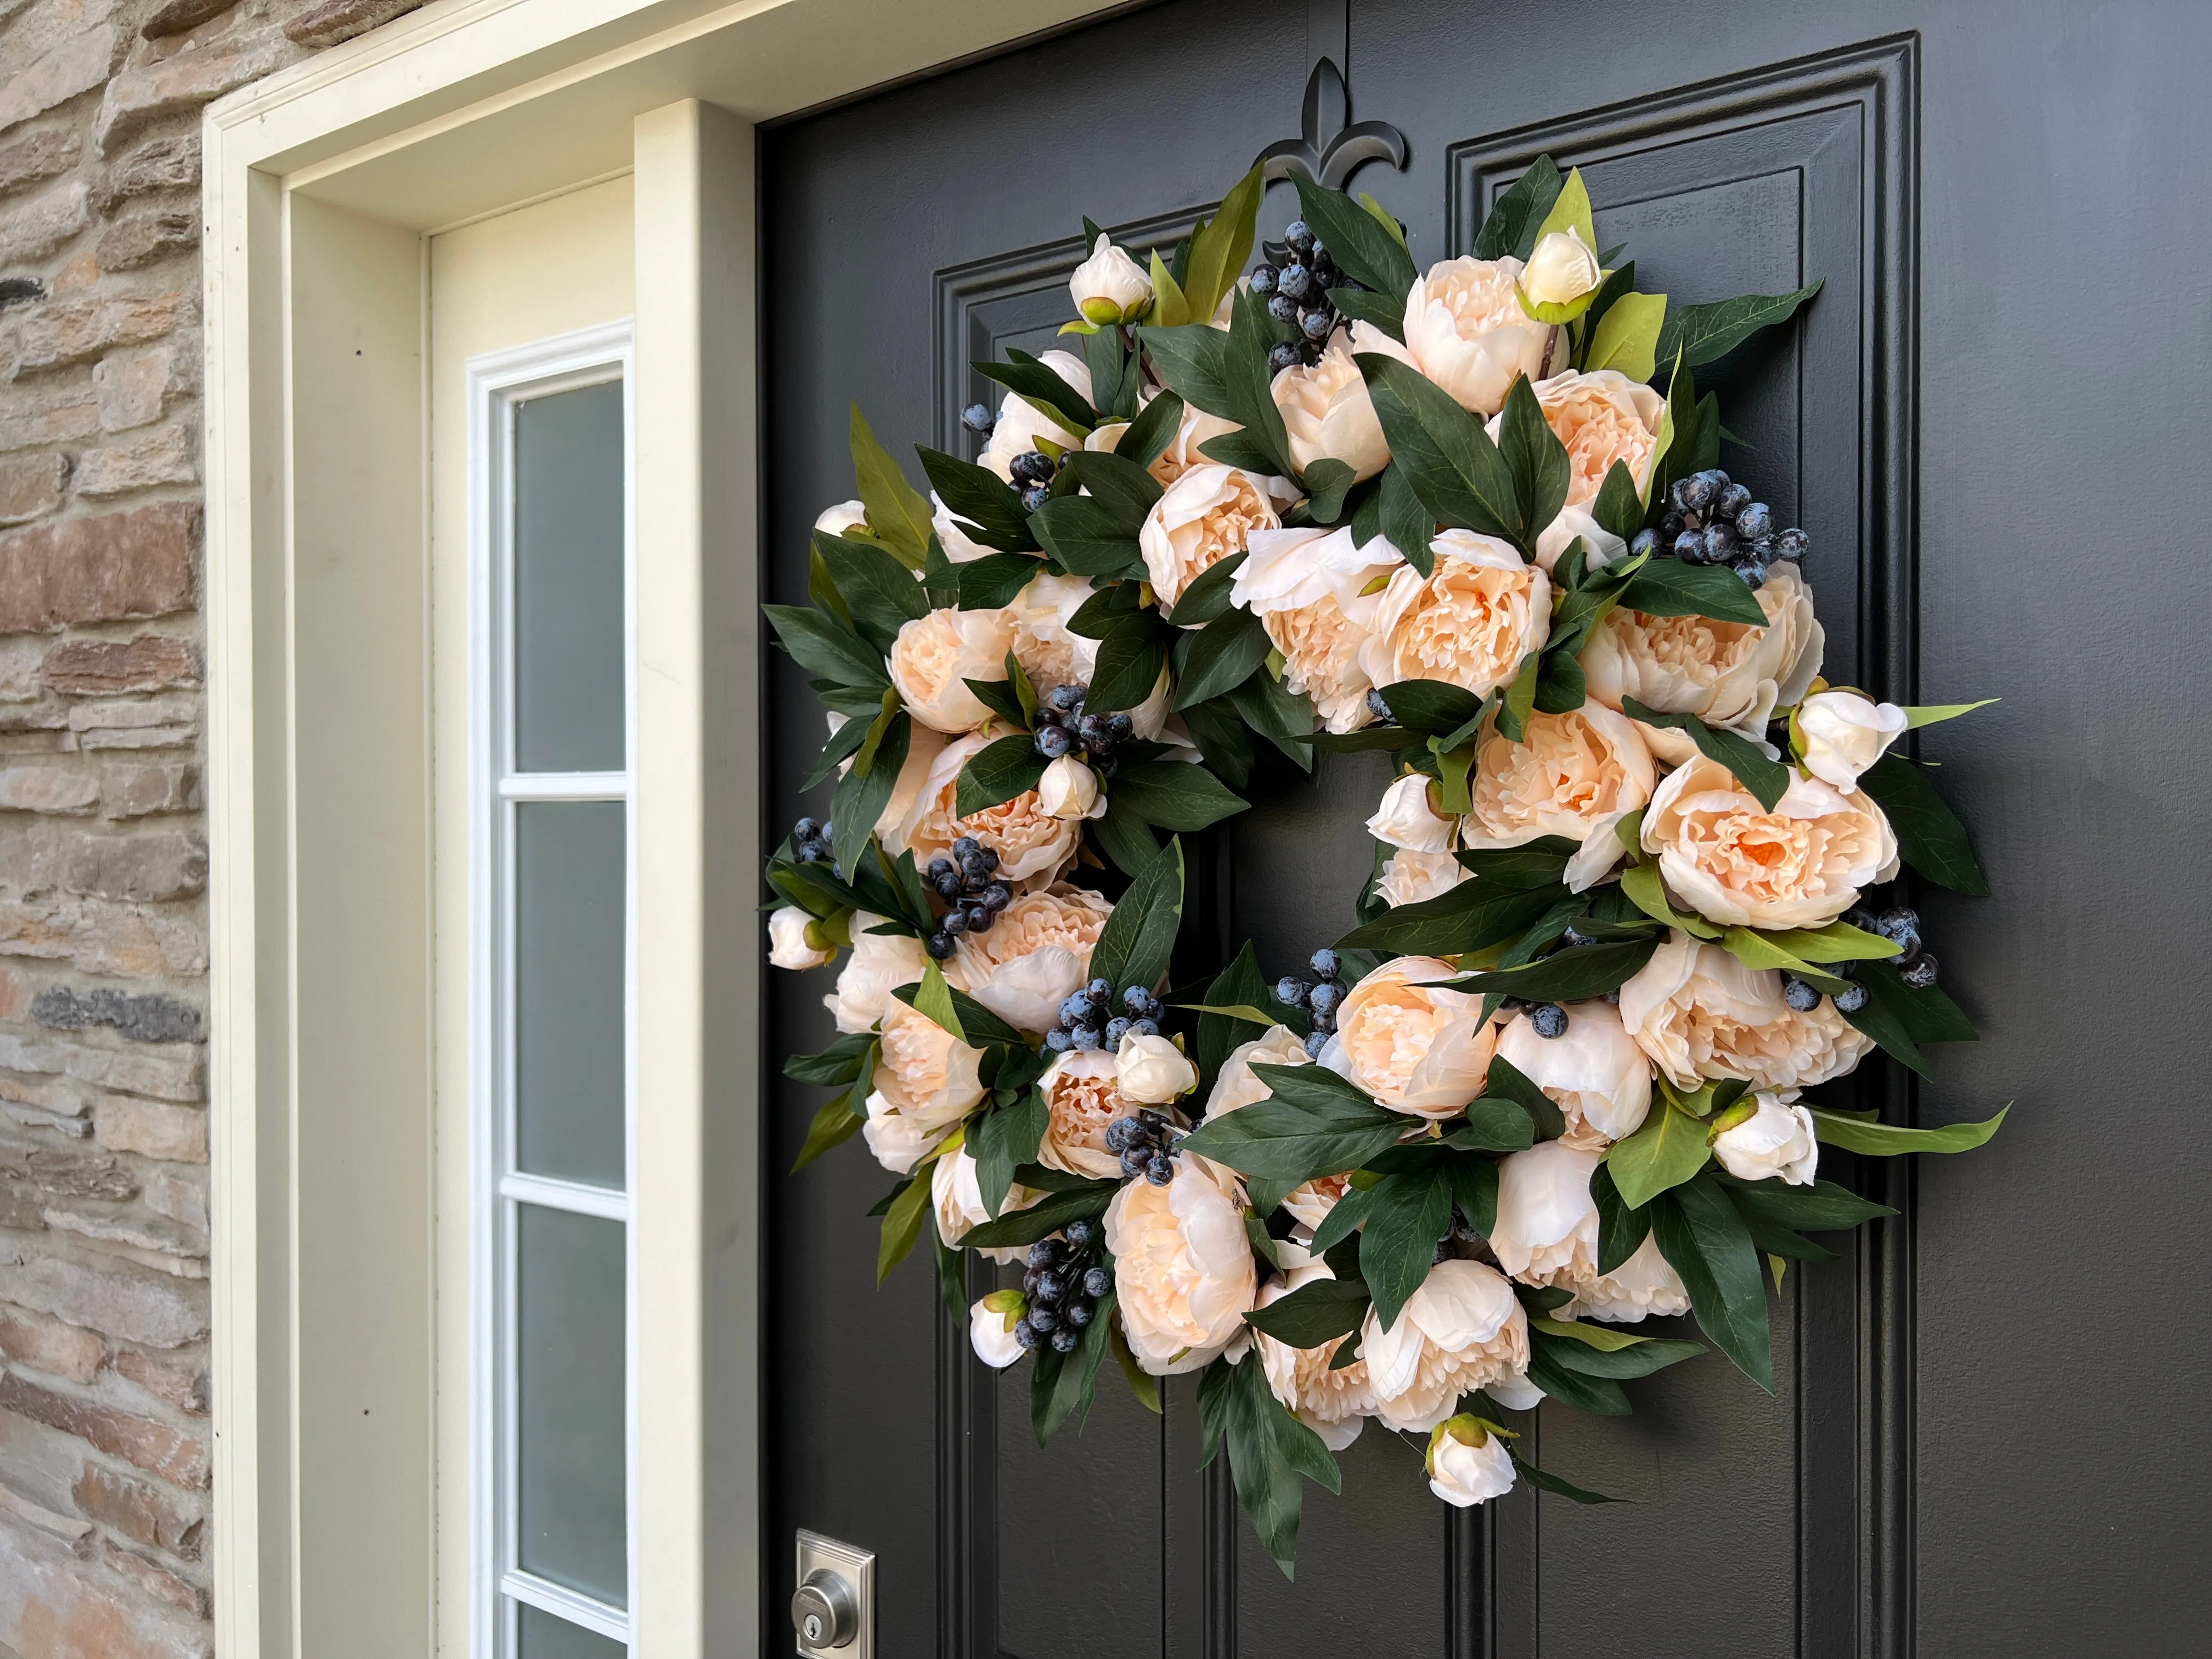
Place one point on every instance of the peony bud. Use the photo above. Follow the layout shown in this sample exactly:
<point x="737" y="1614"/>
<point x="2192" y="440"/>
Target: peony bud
<point x="991" y="1324"/>
<point x="794" y="941"/>
<point x="1109" y="287"/>
<point x="1773" y="1140"/>
<point x="1468" y="1464"/>
<point x="1069" y="789"/>
<point x="1152" y="1071"/>
<point x="1409" y="817"/>
<point x="845" y="515"/>
<point x="1561" y="271"/>
<point x="1840" y="734"/>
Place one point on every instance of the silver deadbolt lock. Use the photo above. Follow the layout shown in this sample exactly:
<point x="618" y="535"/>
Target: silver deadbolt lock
<point x="833" y="1613"/>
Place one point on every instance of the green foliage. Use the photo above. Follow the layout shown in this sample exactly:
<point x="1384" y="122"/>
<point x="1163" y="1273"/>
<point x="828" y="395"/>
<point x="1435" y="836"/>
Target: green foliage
<point x="1765" y="779"/>
<point x="1930" y="836"/>
<point x="1705" y="1241"/>
<point x="1512" y="226"/>
<point x="1703" y="334"/>
<point x="982" y="503"/>
<point x="1670" y="1149"/>
<point x="1855" y="1134"/>
<point x="897" y="513"/>
<point x="1135" y="945"/>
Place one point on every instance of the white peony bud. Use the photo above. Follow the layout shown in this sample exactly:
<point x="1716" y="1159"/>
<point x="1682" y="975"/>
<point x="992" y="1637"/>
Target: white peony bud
<point x="1069" y="789"/>
<point x="795" y="941"/>
<point x="845" y="515"/>
<point x="1561" y="271"/>
<point x="991" y="1324"/>
<point x="1468" y="1464"/>
<point x="1773" y="1140"/>
<point x="1109" y="287"/>
<point x="1152" y="1071"/>
<point x="1408" y="818"/>
<point x="1842" y="733"/>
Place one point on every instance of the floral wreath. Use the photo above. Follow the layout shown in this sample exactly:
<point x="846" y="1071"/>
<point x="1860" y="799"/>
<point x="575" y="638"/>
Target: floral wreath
<point x="1620" y="915"/>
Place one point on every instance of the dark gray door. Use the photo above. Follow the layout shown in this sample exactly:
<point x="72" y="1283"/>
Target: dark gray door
<point x="1986" y="1438"/>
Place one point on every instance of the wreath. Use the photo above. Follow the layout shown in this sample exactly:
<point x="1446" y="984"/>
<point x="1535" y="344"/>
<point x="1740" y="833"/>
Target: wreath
<point x="1628" y="899"/>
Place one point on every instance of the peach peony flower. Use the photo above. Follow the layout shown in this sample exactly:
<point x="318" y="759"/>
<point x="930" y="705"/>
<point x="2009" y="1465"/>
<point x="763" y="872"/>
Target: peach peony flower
<point x="879" y="964"/>
<point x="957" y="1195"/>
<point x="1601" y="417"/>
<point x="1466" y="331"/>
<point x="1047" y="652"/>
<point x="1700" y="1013"/>
<point x="1727" y="674"/>
<point x="1182" y="1267"/>
<point x="1311" y="589"/>
<point x="1462" y="1330"/>
<point x="1021" y="423"/>
<point x="1416" y="1049"/>
<point x="1596" y="1073"/>
<point x="1798" y="865"/>
<point x="1205" y="515"/>
<point x="1034" y="958"/>
<point x="1470" y="624"/>
<point x="1033" y="847"/>
<point x="1082" y="1095"/>
<point x="1182" y="452"/>
<point x="927" y="1082"/>
<point x="1236" y="1084"/>
<point x="1328" y="415"/>
<point x="934" y="657"/>
<point x="1333" y="1403"/>
<point x="1410" y="878"/>
<point x="1575" y="774"/>
<point x="1546" y="1234"/>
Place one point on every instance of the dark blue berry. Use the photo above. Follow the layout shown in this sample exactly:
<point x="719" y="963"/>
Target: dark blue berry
<point x="978" y="418"/>
<point x="1755" y="522"/>
<point x="1119" y="727"/>
<point x="1044" y="1253"/>
<point x="1753" y="572"/>
<point x="1671" y="525"/>
<point x="1692" y="494"/>
<point x="1065" y="697"/>
<point x="1323" y="1000"/>
<point x="1053" y="741"/>
<point x="1295" y="282"/>
<point x="1032" y="466"/>
<point x="996" y="898"/>
<point x="1042" y="1318"/>
<point x="1720" y="543"/>
<point x="1118" y="1133"/>
<point x="1549" y="1019"/>
<point x="1074" y="1010"/>
<point x="1800" y="994"/>
<point x="1135" y="1158"/>
<point x="1064" y="1339"/>
<point x="1263" y="279"/>
<point x="1096" y="1283"/>
<point x="1282" y="355"/>
<point x="1035" y="497"/>
<point x="1315" y="1043"/>
<point x="1299" y="234"/>
<point x="1084" y="1037"/>
<point x="939" y="946"/>
<point x="805" y="829"/>
<point x="1689" y="547"/>
<point x="940" y="867"/>
<point x="1645" y="546"/>
<point x="1116" y="1029"/>
<point x="1316" y="325"/>
<point x="1077" y="1313"/>
<point x="1325" y="964"/>
<point x="1325" y="1024"/>
<point x="954" y="922"/>
<point x="1078" y="1235"/>
<point x="979" y="918"/>
<point x="1919" y="974"/>
<point x="1056" y="1040"/>
<point x="1732" y="501"/>
<point x="1292" y="990"/>
<point x="1850" y="998"/>
<point x="1283" y="309"/>
<point x="1145" y="1026"/>
<point x="813" y="852"/>
<point x="1051" y="1285"/>
<point x="1791" y="545"/>
<point x="1027" y="1337"/>
<point x="1377" y="704"/>
<point x="1902" y="925"/>
<point x="1100" y="992"/>
<point x="947" y="886"/>
<point x="1160" y="1171"/>
<point x="1137" y="1000"/>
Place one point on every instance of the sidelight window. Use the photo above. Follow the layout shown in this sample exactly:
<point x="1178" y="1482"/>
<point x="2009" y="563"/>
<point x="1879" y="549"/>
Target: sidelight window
<point x="555" y="1368"/>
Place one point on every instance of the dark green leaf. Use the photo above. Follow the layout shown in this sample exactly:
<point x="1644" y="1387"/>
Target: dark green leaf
<point x="1705" y="1240"/>
<point x="1406" y="1215"/>
<point x="997" y="773"/>
<point x="1174" y="795"/>
<point x="1621" y="1231"/>
<point x="1670" y="1149"/>
<point x="1823" y="1206"/>
<point x="1455" y="471"/>
<point x="1115" y="481"/>
<point x="880" y="593"/>
<point x="1474" y="1190"/>
<point x="979" y="497"/>
<point x="1618" y="509"/>
<point x="1130" y="659"/>
<point x="903" y="1224"/>
<point x="1002" y="1142"/>
<point x="1125" y="839"/>
<point x="1541" y="863"/>
<point x="1511" y="227"/>
<point x="1570" y="975"/>
<point x="1040" y="386"/>
<point x="1279" y="714"/>
<point x="1384" y="310"/>
<point x="1465" y="919"/>
<point x="1242" y="450"/>
<point x="841" y="1062"/>
<point x="1667" y="587"/>
<point x="1599" y="1395"/>
<point x="1926" y="1016"/>
<point x="978" y="1025"/>
<point x="1405" y="523"/>
<point x="1507" y="1082"/>
<point x="1250" y="382"/>
<point x="1497" y="1124"/>
<point x="1087" y="537"/>
<point x="1435" y="706"/>
<point x="1930" y="836"/>
<point x="821" y="645"/>
<point x="1041" y="1219"/>
<point x="860" y="800"/>
<point x="1888" y="1140"/>
<point x="1535" y="457"/>
<point x="1306" y="1129"/>
<point x="1208" y="597"/>
<point x="834" y="1125"/>
<point x="1704" y="333"/>
<point x="1219" y="656"/>
<point x="1765" y="779"/>
<point x="1194" y="361"/>
<point x="1135" y="945"/>
<point x="1327" y="481"/>
<point x="1314" y="1314"/>
<point x="1624" y="1364"/>
<point x="1153" y="430"/>
<point x="1552" y="1483"/>
<point x="1000" y="698"/>
<point x="992" y="580"/>
<point x="1357" y="241"/>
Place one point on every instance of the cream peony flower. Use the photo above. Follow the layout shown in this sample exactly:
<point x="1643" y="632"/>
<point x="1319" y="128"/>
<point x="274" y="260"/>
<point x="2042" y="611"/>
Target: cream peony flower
<point x="1310" y="1202"/>
<point x="1152" y="1071"/>
<point x="1462" y="1330"/>
<point x="1466" y="331"/>
<point x="1236" y="1084"/>
<point x="1069" y="789"/>
<point x="1775" y="1142"/>
<point x="1601" y="416"/>
<point x="1700" y="1013"/>
<point x="959" y="546"/>
<point x="879" y="964"/>
<point x="1183" y="451"/>
<point x="1047" y="652"/>
<point x="1575" y="774"/>
<point x="1546" y="1234"/>
<point x="927" y="1075"/>
<point x="991" y="1324"/>
<point x="1033" y="958"/>
<point x="1328" y="415"/>
<point x="1033" y="847"/>
<point x="845" y="515"/>
<point x="1596" y="1073"/>
<point x="1333" y="1403"/>
<point x="1410" y="878"/>
<point x="1416" y="1049"/>
<point x="1466" y="1464"/>
<point x="1205" y="515"/>
<point x="1727" y="674"/>
<point x="934" y="657"/>
<point x="1408" y="818"/>
<point x="1082" y="1095"/>
<point x="898" y="1142"/>
<point x="1109" y="287"/>
<point x="1844" y="734"/>
<point x="1021" y="423"/>
<point x="1562" y="268"/>
<point x="787" y="944"/>
<point x="1735" y="863"/>
<point x="1311" y="591"/>
<point x="1182" y="1267"/>
<point x="957" y="1192"/>
<point x="1469" y="624"/>
<point x="1601" y="547"/>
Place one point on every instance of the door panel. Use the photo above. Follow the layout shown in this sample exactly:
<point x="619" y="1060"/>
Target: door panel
<point x="1749" y="148"/>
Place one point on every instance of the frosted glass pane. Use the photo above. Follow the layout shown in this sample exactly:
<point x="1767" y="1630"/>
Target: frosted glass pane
<point x="570" y="925"/>
<point x="570" y="1461"/>
<point x="569" y="515"/>
<point x="545" y="1636"/>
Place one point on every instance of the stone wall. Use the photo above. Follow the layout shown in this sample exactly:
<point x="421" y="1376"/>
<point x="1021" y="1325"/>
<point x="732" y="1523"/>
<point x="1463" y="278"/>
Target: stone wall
<point x="104" y="1428"/>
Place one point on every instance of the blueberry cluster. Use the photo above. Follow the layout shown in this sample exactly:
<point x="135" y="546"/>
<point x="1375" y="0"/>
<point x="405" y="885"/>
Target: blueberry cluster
<point x="1712" y="520"/>
<point x="1034" y="471"/>
<point x="1063" y="728"/>
<point x="1087" y="1020"/>
<point x="811" y="841"/>
<point x="968" y="884"/>
<point x="1295" y="281"/>
<point x="1320" y="997"/>
<point x="1063" y="1283"/>
<point x="1144" y="1144"/>
<point x="1914" y="965"/>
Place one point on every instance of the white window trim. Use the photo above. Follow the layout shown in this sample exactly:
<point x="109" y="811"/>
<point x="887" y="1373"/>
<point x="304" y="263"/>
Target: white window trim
<point x="496" y="382"/>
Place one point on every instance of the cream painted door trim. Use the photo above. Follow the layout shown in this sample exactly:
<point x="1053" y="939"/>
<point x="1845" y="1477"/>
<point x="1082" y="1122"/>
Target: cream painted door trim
<point x="319" y="187"/>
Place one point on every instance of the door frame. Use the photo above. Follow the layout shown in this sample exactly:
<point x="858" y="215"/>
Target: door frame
<point x="321" y="187"/>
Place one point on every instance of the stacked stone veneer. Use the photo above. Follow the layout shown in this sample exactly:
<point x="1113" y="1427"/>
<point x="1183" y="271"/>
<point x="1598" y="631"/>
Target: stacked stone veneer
<point x="105" y="1494"/>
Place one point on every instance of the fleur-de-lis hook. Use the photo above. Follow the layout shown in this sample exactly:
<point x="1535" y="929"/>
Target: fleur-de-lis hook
<point x="1329" y="149"/>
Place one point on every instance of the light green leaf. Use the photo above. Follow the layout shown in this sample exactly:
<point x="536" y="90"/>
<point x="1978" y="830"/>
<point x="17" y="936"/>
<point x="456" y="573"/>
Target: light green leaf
<point x="1670" y="1149"/>
<point x="933" y="1001"/>
<point x="1169" y="308"/>
<point x="902" y="1221"/>
<point x="1627" y="337"/>
<point x="897" y="513"/>
<point x="1570" y="210"/>
<point x="1604" y="1338"/>
<point x="1837" y="942"/>
<point x="1857" y="1135"/>
<point x="1649" y="894"/>
<point x="1219" y="248"/>
<point x="1243" y="1010"/>
<point x="1756" y="950"/>
<point x="1929" y="714"/>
